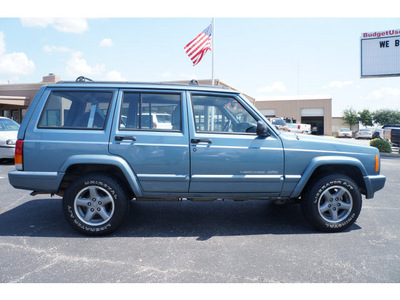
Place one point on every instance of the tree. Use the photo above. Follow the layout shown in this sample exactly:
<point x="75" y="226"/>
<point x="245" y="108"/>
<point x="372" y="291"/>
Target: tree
<point x="365" y="117"/>
<point x="350" y="117"/>
<point x="386" y="116"/>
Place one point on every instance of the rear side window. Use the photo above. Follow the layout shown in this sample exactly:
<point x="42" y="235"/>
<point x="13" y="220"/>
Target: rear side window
<point x="150" y="111"/>
<point x="76" y="110"/>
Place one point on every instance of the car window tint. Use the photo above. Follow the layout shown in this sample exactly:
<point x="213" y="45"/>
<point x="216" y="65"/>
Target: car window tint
<point x="76" y="109"/>
<point x="150" y="111"/>
<point x="221" y="114"/>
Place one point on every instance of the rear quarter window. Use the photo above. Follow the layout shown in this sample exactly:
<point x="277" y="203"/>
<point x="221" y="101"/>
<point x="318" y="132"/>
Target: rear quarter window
<point x="76" y="110"/>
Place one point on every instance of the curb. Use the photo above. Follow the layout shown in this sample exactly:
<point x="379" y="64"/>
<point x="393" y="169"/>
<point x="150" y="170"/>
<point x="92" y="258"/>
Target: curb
<point x="396" y="155"/>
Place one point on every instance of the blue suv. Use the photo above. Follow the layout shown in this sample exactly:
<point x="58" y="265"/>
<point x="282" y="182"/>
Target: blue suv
<point x="97" y="145"/>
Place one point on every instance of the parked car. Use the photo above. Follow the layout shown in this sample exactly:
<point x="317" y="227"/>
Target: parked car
<point x="364" y="134"/>
<point x="395" y="137"/>
<point x="345" y="132"/>
<point x="8" y="137"/>
<point x="99" y="155"/>
<point x="387" y="131"/>
<point x="299" y="128"/>
<point x="378" y="133"/>
<point x="279" y="123"/>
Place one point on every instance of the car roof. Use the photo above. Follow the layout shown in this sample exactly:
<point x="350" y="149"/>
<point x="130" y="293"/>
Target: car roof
<point x="142" y="85"/>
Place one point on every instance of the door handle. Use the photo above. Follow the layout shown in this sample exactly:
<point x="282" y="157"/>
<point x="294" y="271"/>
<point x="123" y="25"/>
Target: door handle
<point x="122" y="138"/>
<point x="196" y="141"/>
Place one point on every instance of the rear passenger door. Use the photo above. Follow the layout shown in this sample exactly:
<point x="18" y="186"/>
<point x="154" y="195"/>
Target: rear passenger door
<point x="158" y="153"/>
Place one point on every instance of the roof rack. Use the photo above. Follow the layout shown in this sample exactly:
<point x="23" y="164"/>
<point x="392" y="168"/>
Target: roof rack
<point x="83" y="79"/>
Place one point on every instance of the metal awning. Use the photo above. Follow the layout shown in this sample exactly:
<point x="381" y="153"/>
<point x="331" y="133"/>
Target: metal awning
<point x="14" y="100"/>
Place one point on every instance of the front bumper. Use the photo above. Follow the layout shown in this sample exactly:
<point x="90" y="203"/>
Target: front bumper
<point x="373" y="184"/>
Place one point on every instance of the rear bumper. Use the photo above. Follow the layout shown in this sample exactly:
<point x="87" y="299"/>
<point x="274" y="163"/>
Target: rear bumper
<point x="7" y="152"/>
<point x="374" y="184"/>
<point x="35" y="181"/>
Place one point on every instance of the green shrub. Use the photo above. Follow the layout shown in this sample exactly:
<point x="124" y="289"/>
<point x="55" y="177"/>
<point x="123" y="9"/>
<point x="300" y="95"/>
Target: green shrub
<point x="382" y="145"/>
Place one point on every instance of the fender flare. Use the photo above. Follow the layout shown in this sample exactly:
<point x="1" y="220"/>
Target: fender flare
<point x="327" y="160"/>
<point x="116" y="161"/>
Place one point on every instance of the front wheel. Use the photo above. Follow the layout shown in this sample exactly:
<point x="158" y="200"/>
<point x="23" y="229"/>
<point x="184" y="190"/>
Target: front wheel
<point x="332" y="204"/>
<point x="95" y="204"/>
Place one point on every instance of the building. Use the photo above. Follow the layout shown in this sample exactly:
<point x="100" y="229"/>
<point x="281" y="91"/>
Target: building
<point x="313" y="110"/>
<point x="16" y="98"/>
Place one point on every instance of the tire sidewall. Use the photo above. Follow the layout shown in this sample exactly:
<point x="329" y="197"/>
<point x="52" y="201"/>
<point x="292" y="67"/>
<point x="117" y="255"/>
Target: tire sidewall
<point x="105" y="182"/>
<point x="310" y="206"/>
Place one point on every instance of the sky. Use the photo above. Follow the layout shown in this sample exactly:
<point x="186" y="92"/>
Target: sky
<point x="264" y="57"/>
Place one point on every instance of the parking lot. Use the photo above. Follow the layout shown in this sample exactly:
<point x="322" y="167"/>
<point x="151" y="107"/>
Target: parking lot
<point x="219" y="241"/>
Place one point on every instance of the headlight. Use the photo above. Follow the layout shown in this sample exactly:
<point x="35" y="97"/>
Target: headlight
<point x="11" y="142"/>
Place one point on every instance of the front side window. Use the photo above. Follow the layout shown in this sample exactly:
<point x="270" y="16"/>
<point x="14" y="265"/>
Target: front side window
<point x="76" y="110"/>
<point x="221" y="114"/>
<point x="150" y="111"/>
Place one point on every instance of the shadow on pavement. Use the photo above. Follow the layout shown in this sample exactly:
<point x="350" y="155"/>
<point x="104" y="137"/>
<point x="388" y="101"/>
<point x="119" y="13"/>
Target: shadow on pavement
<point x="44" y="218"/>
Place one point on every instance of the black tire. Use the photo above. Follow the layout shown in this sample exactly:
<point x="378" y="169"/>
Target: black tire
<point x="95" y="204"/>
<point x="332" y="204"/>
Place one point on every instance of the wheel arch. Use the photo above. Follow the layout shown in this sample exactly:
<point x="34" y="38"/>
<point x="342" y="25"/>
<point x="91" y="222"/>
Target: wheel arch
<point x="112" y="166"/>
<point x="322" y="166"/>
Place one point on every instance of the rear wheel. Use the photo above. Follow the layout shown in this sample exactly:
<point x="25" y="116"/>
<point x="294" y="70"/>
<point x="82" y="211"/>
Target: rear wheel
<point x="333" y="203"/>
<point x="95" y="204"/>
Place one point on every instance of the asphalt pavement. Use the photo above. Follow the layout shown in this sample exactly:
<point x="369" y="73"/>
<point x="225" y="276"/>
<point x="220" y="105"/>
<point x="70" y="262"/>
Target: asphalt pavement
<point x="211" y="242"/>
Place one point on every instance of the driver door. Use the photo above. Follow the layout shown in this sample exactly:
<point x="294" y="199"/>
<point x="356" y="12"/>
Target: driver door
<point x="227" y="156"/>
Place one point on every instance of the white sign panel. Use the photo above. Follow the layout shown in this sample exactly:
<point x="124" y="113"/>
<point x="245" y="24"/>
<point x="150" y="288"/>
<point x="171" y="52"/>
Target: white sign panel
<point x="380" y="53"/>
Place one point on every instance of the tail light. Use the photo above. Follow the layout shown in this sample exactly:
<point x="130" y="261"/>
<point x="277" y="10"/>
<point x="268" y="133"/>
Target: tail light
<point x="19" y="146"/>
<point x="154" y="125"/>
<point x="298" y="126"/>
<point x="376" y="163"/>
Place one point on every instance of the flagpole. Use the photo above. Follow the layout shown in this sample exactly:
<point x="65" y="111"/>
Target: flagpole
<point x="213" y="50"/>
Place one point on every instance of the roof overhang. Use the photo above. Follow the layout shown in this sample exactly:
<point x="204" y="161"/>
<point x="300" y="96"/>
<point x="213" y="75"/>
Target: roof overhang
<point x="14" y="100"/>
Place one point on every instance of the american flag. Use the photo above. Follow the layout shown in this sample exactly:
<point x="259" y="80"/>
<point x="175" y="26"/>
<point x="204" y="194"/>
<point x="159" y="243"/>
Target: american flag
<point x="199" y="46"/>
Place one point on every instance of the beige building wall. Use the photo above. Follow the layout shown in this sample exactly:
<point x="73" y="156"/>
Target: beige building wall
<point x="16" y="98"/>
<point x="292" y="108"/>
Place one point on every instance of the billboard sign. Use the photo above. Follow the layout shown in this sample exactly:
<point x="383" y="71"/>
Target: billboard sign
<point x="380" y="53"/>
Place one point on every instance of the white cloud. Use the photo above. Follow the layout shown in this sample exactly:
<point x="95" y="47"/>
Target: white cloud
<point x="166" y="76"/>
<point x="384" y="93"/>
<point x="338" y="84"/>
<point x="383" y="98"/>
<point x="15" y="64"/>
<point x="2" y="44"/>
<point x="106" y="43"/>
<point x="77" y="66"/>
<point x="48" y="49"/>
<point x="71" y="25"/>
<point x="276" y="87"/>
<point x="115" y="76"/>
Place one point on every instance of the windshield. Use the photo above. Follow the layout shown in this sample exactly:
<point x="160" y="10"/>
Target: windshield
<point x="278" y="122"/>
<point x="345" y="129"/>
<point x="8" y="125"/>
<point x="365" y="130"/>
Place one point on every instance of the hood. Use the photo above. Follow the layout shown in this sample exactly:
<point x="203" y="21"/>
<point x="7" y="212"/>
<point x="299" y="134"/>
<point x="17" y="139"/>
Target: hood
<point x="326" y="144"/>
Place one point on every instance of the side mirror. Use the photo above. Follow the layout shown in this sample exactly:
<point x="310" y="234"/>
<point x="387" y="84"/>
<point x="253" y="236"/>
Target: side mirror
<point x="262" y="129"/>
